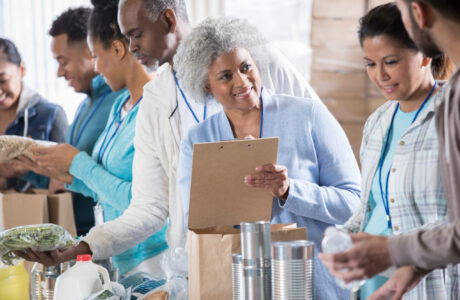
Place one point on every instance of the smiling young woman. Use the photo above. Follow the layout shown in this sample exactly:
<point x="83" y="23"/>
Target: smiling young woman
<point x="23" y="112"/>
<point x="402" y="188"/>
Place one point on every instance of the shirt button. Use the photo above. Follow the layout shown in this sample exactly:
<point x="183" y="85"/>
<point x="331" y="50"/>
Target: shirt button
<point x="402" y="143"/>
<point x="393" y="170"/>
<point x="392" y="200"/>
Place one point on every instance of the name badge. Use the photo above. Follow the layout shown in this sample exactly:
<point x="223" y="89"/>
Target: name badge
<point x="98" y="214"/>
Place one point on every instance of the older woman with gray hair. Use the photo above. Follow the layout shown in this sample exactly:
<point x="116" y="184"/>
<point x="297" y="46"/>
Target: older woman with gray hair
<point x="316" y="181"/>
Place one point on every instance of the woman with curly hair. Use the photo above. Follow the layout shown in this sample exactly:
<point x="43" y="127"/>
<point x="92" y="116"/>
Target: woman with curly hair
<point x="315" y="182"/>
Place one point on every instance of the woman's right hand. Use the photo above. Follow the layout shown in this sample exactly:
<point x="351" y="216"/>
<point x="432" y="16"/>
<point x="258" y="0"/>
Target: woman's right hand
<point x="52" y="258"/>
<point x="28" y="163"/>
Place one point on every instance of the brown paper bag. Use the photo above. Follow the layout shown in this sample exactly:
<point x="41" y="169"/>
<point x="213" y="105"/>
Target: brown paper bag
<point x="60" y="209"/>
<point x="18" y="209"/>
<point x="210" y="258"/>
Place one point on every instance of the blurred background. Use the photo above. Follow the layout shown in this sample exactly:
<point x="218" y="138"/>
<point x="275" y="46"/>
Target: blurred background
<point x="318" y="36"/>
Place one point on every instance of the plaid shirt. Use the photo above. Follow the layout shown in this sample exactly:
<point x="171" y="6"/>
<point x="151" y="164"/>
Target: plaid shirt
<point x="415" y="191"/>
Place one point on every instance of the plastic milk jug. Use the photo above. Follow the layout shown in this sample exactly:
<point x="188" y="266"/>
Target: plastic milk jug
<point x="82" y="280"/>
<point x="14" y="283"/>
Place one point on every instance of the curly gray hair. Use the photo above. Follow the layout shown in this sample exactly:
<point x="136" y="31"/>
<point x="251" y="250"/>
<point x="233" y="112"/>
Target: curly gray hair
<point x="210" y="39"/>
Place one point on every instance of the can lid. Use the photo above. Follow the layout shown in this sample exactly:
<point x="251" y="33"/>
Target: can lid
<point x="84" y="257"/>
<point x="299" y="249"/>
<point x="260" y="226"/>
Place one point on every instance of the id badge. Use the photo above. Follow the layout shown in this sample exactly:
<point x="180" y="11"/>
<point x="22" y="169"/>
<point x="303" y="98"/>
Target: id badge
<point x="98" y="214"/>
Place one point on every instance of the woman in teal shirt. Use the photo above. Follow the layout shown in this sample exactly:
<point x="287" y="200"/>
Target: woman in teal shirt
<point x="107" y="175"/>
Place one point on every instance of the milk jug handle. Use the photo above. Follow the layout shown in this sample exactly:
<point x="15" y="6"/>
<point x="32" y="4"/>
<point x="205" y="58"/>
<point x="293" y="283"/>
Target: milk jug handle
<point x="105" y="277"/>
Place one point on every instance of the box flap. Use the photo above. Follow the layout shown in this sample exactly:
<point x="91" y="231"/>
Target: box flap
<point x="218" y="194"/>
<point x="22" y="209"/>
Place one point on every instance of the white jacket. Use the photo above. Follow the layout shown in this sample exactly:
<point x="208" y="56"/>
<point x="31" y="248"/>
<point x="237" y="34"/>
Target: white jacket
<point x="155" y="192"/>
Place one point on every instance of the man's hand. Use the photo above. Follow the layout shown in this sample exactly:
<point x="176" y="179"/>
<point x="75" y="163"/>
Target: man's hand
<point x="402" y="281"/>
<point x="52" y="258"/>
<point x="11" y="169"/>
<point x="369" y="256"/>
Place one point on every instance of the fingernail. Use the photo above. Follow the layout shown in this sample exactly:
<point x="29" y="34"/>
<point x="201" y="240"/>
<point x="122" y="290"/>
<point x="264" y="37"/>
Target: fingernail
<point x="258" y="169"/>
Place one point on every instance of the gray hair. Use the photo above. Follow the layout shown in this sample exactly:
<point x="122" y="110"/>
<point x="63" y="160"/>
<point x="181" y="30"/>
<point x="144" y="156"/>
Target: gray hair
<point x="154" y="8"/>
<point x="206" y="42"/>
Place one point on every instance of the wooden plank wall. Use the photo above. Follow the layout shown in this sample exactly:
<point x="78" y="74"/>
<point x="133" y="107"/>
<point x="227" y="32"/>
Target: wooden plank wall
<point x="338" y="73"/>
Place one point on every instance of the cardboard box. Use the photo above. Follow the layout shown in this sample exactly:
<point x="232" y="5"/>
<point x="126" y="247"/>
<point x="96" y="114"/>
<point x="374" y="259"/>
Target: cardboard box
<point x="36" y="207"/>
<point x="18" y="209"/>
<point x="218" y="199"/>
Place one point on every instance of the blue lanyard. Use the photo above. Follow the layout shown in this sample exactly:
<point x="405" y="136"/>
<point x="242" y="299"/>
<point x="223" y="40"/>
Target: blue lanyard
<point x="188" y="104"/>
<point x="83" y="126"/>
<point x="105" y="145"/>
<point x="261" y="114"/>
<point x="385" y="149"/>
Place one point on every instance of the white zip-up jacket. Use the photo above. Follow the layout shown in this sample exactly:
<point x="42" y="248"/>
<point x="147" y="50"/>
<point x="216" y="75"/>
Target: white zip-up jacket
<point x="155" y="192"/>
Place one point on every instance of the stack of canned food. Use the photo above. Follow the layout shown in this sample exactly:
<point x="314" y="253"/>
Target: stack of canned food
<point x="284" y="271"/>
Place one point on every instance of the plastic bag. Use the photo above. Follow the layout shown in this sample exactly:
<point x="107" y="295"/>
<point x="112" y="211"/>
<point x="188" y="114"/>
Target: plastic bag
<point x="42" y="237"/>
<point x="175" y="265"/>
<point x="106" y="295"/>
<point x="12" y="146"/>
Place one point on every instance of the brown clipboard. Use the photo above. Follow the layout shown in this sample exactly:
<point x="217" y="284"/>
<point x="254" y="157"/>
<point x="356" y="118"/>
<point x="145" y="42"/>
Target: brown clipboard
<point x="218" y="194"/>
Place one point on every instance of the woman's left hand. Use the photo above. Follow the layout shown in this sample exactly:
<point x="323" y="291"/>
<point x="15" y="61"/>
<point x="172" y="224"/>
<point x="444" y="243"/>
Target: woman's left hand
<point x="273" y="178"/>
<point x="58" y="157"/>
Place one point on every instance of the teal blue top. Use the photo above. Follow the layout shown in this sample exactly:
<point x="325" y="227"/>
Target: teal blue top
<point x="91" y="116"/>
<point x="89" y="122"/>
<point x="377" y="222"/>
<point x="110" y="181"/>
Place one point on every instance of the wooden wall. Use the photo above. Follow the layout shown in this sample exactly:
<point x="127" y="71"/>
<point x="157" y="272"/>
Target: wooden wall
<point x="338" y="74"/>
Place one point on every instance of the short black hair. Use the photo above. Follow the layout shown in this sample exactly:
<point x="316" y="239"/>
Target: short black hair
<point x="73" y="22"/>
<point x="103" y="24"/>
<point x="8" y="48"/>
<point x="447" y="8"/>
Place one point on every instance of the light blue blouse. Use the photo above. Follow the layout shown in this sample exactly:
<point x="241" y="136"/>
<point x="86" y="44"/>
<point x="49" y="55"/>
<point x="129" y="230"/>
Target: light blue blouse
<point x="323" y="174"/>
<point x="110" y="182"/>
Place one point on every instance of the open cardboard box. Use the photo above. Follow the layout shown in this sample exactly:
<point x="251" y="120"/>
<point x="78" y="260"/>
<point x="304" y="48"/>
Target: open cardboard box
<point x="36" y="207"/>
<point x="219" y="199"/>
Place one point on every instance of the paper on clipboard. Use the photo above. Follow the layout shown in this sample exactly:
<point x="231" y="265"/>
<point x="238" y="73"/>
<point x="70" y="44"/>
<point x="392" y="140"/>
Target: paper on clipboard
<point x="218" y="194"/>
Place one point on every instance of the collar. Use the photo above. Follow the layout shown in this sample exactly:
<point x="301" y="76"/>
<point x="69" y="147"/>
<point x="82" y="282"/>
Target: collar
<point x="162" y="89"/>
<point x="98" y="87"/>
<point x="27" y="99"/>
<point x="227" y="133"/>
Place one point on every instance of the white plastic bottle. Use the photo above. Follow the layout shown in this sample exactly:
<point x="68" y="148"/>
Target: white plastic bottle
<point x="82" y="280"/>
<point x="336" y="241"/>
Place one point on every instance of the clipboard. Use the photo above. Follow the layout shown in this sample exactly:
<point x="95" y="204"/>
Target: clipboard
<point x="218" y="194"/>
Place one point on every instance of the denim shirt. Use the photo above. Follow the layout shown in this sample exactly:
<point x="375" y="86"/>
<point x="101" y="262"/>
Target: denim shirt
<point x="41" y="120"/>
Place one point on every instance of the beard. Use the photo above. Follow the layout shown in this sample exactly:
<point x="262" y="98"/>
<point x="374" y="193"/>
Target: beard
<point x="424" y="41"/>
<point x="153" y="67"/>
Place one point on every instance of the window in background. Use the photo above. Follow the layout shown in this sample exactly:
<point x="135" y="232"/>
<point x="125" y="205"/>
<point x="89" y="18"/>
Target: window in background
<point x="26" y="23"/>
<point x="286" y="24"/>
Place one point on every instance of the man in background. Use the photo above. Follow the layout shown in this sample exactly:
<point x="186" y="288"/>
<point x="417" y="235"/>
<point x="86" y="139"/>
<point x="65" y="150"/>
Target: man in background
<point x="76" y="65"/>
